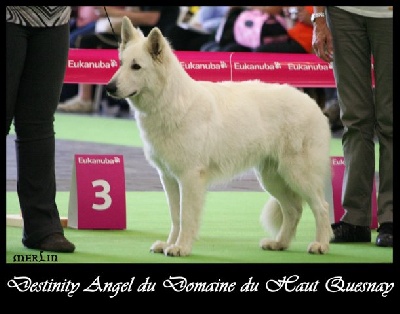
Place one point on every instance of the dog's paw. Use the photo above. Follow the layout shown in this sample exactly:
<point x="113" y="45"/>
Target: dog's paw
<point x="158" y="247"/>
<point x="176" y="250"/>
<point x="318" y="248"/>
<point x="268" y="244"/>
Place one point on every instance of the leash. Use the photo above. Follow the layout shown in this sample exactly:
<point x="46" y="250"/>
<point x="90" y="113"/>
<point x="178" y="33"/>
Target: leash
<point x="112" y="28"/>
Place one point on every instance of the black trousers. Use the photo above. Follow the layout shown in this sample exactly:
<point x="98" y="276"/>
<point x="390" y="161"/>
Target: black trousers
<point x="36" y="60"/>
<point x="365" y="112"/>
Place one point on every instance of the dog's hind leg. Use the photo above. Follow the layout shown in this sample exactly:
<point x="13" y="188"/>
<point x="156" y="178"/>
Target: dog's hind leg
<point x="308" y="178"/>
<point x="281" y="214"/>
<point x="320" y="209"/>
<point x="171" y="188"/>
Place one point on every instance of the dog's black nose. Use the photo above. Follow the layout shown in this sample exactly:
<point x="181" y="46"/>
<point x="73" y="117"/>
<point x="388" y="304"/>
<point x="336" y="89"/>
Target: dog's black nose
<point x="111" y="88"/>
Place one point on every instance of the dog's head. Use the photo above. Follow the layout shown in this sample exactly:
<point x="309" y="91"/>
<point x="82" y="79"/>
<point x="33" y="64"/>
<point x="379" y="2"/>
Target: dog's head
<point x="142" y="61"/>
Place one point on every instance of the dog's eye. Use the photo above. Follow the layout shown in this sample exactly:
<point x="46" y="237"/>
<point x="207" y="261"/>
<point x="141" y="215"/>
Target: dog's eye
<point x="136" y="66"/>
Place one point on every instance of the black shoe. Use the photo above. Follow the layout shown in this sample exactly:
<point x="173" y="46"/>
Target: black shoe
<point x="385" y="236"/>
<point x="344" y="232"/>
<point x="55" y="242"/>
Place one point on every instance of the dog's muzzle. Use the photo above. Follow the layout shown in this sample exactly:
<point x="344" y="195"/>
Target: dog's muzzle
<point x="112" y="90"/>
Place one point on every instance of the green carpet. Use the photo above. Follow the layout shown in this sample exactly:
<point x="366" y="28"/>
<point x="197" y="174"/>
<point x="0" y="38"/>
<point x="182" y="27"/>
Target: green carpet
<point x="230" y="231"/>
<point x="97" y="129"/>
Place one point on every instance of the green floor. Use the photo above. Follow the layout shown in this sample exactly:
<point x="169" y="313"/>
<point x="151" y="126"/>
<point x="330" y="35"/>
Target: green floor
<point x="230" y="233"/>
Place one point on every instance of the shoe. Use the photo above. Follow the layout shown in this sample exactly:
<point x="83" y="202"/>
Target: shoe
<point x="75" y="104"/>
<point x="332" y="111"/>
<point x="385" y="236"/>
<point x="55" y="242"/>
<point x="344" y="232"/>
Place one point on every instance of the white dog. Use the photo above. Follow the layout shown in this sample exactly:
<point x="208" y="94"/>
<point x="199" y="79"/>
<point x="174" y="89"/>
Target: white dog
<point x="195" y="133"/>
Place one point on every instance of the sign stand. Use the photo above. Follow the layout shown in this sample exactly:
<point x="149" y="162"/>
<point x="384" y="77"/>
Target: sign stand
<point x="334" y="193"/>
<point x="97" y="196"/>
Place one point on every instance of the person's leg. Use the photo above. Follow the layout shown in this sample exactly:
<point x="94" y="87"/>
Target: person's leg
<point x="85" y="92"/>
<point x="15" y="60"/>
<point x="82" y="102"/>
<point x="352" y="70"/>
<point x="36" y="99"/>
<point x="381" y="35"/>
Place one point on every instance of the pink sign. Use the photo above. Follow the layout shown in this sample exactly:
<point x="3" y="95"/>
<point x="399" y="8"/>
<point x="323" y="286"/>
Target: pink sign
<point x="337" y="168"/>
<point x="206" y="66"/>
<point x="300" y="70"/>
<point x="97" y="66"/>
<point x="97" y="196"/>
<point x="94" y="66"/>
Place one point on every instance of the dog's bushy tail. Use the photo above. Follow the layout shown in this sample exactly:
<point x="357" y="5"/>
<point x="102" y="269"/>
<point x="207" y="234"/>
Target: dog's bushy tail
<point x="271" y="216"/>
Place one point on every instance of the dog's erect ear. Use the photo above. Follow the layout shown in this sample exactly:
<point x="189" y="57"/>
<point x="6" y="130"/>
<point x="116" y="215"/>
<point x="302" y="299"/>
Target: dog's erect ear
<point x="155" y="43"/>
<point x="128" y="32"/>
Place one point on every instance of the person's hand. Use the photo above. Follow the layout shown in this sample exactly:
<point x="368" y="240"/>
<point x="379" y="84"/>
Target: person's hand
<point x="322" y="40"/>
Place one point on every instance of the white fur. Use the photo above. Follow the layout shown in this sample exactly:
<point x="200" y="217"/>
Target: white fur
<point x="195" y="133"/>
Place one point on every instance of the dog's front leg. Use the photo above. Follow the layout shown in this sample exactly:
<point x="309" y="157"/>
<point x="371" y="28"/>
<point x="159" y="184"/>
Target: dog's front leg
<point x="171" y="188"/>
<point x="193" y="190"/>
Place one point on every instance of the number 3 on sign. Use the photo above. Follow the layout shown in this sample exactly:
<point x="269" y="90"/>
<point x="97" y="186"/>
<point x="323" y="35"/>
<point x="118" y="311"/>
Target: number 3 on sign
<point x="97" y="203"/>
<point x="103" y="194"/>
